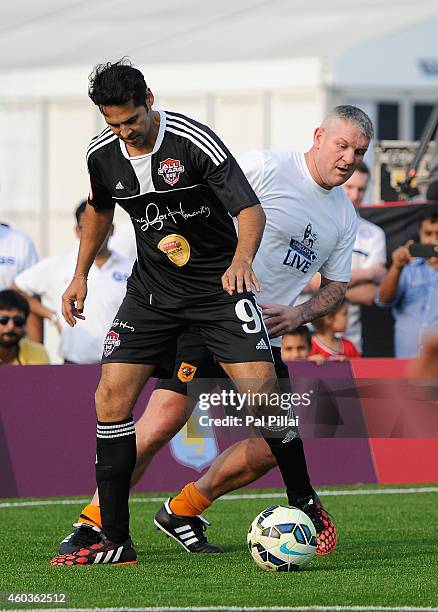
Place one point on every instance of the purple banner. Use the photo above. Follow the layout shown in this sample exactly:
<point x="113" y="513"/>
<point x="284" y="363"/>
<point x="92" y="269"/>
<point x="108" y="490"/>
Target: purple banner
<point x="47" y="438"/>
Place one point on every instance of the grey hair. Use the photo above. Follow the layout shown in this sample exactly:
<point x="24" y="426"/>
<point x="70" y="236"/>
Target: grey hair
<point x="354" y="115"/>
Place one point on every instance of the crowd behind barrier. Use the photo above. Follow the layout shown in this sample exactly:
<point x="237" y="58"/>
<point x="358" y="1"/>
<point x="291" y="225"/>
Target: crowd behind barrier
<point x="398" y="220"/>
<point x="382" y="229"/>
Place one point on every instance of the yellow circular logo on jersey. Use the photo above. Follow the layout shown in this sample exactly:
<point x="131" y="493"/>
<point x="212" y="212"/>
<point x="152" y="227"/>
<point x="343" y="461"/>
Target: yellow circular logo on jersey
<point x="176" y="248"/>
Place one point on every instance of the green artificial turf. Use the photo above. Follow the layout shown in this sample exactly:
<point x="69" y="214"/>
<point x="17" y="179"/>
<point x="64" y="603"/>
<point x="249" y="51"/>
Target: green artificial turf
<point x="387" y="556"/>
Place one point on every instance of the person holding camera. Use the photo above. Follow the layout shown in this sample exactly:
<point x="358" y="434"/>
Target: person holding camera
<point x="410" y="288"/>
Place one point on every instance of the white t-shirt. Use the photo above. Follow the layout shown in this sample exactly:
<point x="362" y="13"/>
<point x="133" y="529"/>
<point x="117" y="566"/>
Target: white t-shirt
<point x="17" y="252"/>
<point x="49" y="278"/>
<point x="308" y="228"/>
<point x="369" y="250"/>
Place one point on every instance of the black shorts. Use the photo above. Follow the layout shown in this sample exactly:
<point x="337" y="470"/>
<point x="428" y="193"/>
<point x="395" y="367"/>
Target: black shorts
<point x="194" y="362"/>
<point x="231" y="328"/>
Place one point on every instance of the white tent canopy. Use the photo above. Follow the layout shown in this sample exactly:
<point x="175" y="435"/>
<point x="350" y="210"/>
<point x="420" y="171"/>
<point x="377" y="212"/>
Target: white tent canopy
<point x="261" y="72"/>
<point x="70" y="33"/>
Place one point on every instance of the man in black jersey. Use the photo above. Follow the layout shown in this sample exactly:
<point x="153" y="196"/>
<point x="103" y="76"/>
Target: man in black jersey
<point x="180" y="185"/>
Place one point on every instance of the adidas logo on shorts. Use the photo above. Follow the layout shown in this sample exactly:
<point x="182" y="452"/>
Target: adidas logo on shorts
<point x="262" y="345"/>
<point x="119" y="185"/>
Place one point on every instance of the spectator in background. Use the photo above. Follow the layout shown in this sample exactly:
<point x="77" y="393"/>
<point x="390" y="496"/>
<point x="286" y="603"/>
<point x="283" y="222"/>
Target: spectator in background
<point x="410" y="288"/>
<point x="17" y="252"/>
<point x="15" y="349"/>
<point x="369" y="257"/>
<point x="49" y="278"/>
<point x="296" y="344"/>
<point x="123" y="241"/>
<point x="327" y="339"/>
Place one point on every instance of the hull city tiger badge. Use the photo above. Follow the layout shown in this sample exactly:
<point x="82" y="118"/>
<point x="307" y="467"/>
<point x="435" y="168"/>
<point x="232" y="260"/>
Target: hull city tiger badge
<point x="112" y="341"/>
<point x="186" y="372"/>
<point x="170" y="169"/>
<point x="176" y="248"/>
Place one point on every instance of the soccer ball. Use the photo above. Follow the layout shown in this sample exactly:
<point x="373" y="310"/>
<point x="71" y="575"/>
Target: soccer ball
<point x="282" y="539"/>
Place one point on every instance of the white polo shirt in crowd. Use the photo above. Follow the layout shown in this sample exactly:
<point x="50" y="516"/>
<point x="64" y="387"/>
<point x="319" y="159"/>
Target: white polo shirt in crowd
<point x="17" y="252"/>
<point x="369" y="250"/>
<point x="49" y="278"/>
<point x="123" y="241"/>
<point x="308" y="228"/>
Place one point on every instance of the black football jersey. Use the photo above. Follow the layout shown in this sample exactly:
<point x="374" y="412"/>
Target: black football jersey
<point x="181" y="198"/>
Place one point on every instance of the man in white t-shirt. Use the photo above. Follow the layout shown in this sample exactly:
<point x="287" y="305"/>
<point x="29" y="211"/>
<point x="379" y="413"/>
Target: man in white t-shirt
<point x="369" y="257"/>
<point x="17" y="252"/>
<point x="310" y="227"/>
<point x="49" y="278"/>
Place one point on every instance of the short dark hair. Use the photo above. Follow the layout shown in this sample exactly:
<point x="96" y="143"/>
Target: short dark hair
<point x="320" y="323"/>
<point x="117" y="84"/>
<point x="430" y="214"/>
<point x="12" y="300"/>
<point x="80" y="210"/>
<point x="302" y="331"/>
<point x="363" y="168"/>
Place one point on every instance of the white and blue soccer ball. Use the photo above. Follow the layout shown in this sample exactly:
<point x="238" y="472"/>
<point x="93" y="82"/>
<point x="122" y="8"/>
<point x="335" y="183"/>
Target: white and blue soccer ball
<point x="282" y="539"/>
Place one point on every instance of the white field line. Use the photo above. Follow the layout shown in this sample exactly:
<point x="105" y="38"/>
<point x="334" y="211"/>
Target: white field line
<point x="150" y="500"/>
<point x="240" y="609"/>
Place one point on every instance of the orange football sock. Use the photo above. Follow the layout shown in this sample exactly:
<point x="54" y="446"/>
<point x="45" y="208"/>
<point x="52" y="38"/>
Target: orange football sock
<point x="189" y="502"/>
<point x="90" y="515"/>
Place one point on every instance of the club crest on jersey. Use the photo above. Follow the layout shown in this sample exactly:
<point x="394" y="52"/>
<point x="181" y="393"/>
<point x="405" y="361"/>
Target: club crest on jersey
<point x="170" y="169"/>
<point x="176" y="248"/>
<point x="112" y="341"/>
<point x="186" y="372"/>
<point x="300" y="254"/>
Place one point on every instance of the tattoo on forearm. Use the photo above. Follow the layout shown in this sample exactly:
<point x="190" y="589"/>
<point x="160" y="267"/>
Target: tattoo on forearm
<point x="324" y="301"/>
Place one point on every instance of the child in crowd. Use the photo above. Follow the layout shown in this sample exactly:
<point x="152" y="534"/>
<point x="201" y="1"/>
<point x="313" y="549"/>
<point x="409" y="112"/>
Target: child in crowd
<point x="327" y="340"/>
<point x="297" y="344"/>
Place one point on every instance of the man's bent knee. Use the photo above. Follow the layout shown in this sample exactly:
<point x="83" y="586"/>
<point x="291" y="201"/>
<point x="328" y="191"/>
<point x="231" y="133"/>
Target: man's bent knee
<point x="111" y="405"/>
<point x="118" y="389"/>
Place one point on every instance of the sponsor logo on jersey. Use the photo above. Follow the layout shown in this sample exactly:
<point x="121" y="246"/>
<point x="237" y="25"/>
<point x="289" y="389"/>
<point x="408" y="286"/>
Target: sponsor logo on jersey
<point x="155" y="218"/>
<point x="170" y="169"/>
<point x="300" y="254"/>
<point x="309" y="237"/>
<point x="176" y="248"/>
<point x="123" y="324"/>
<point x="7" y="261"/>
<point x="112" y="341"/>
<point x="186" y="372"/>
